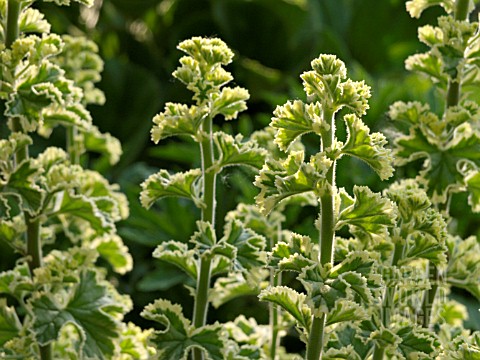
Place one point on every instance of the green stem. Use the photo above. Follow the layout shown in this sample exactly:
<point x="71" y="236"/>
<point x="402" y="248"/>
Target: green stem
<point x="388" y="303"/>
<point x="454" y="86"/>
<point x="13" y="14"/>
<point x="430" y="294"/>
<point x="274" y="310"/>
<point x="208" y="214"/>
<point x="72" y="149"/>
<point x="34" y="245"/>
<point x="327" y="236"/>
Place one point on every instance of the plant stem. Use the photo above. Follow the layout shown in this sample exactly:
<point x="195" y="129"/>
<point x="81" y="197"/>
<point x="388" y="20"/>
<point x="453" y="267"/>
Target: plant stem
<point x="208" y="215"/>
<point x="13" y="14"/>
<point x="274" y="310"/>
<point x="327" y="235"/>
<point x="74" y="154"/>
<point x="388" y="303"/>
<point x="33" y="240"/>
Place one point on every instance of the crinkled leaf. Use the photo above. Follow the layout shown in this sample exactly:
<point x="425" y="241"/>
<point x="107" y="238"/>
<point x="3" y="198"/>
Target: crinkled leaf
<point x="428" y="64"/>
<point x="249" y="245"/>
<point x="369" y="212"/>
<point x="176" y="120"/>
<point x="133" y="343"/>
<point x="206" y="244"/>
<point x="86" y="209"/>
<point x="291" y="301"/>
<point x="114" y="251"/>
<point x="10" y="325"/>
<point x="350" y="338"/>
<point x="16" y="282"/>
<point x="86" y="308"/>
<point x="20" y="184"/>
<point x="12" y="232"/>
<point x="323" y="293"/>
<point x="33" y="21"/>
<point x="463" y="269"/>
<point x="416" y="7"/>
<point x="162" y="184"/>
<point x="346" y="310"/>
<point x="232" y="151"/>
<point x="443" y="161"/>
<point x="179" y="337"/>
<point x="229" y="102"/>
<point x="231" y="287"/>
<point x="425" y="247"/>
<point x="279" y="180"/>
<point x="73" y="115"/>
<point x="417" y="343"/>
<point x="295" y="255"/>
<point x="347" y="352"/>
<point x="368" y="147"/>
<point x="210" y="51"/>
<point x="102" y="143"/>
<point x="293" y="120"/>
<point x="41" y="88"/>
<point x="358" y="261"/>
<point x="178" y="254"/>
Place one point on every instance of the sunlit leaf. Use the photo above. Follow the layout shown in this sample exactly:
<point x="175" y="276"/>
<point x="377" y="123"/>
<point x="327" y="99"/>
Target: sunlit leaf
<point x="368" y="147"/>
<point x="179" y="337"/>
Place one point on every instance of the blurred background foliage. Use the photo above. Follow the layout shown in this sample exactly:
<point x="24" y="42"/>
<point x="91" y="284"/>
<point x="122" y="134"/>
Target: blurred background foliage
<point x="274" y="41"/>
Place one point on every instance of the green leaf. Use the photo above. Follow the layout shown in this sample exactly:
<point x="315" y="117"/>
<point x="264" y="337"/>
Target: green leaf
<point x="346" y="310"/>
<point x="417" y="343"/>
<point x="10" y="325"/>
<point x="178" y="254"/>
<point x="86" y="209"/>
<point x="463" y="268"/>
<point x="249" y="245"/>
<point x="133" y="344"/>
<point x="425" y="247"/>
<point x="473" y="186"/>
<point x="103" y="143"/>
<point x="295" y="119"/>
<point x="443" y="161"/>
<point x="416" y="7"/>
<point x="232" y="151"/>
<point x="369" y="211"/>
<point x="428" y="64"/>
<point x="295" y="255"/>
<point x="21" y="185"/>
<point x="229" y="102"/>
<point x="162" y="184"/>
<point x="179" y="337"/>
<point x="347" y="352"/>
<point x="41" y="88"/>
<point x="114" y="251"/>
<point x="177" y="120"/>
<point x="368" y="147"/>
<point x="16" y="282"/>
<point x="211" y="51"/>
<point x="291" y="301"/>
<point x="279" y="180"/>
<point x="358" y="261"/>
<point x="87" y="308"/>
<point x="33" y="21"/>
<point x="236" y="284"/>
